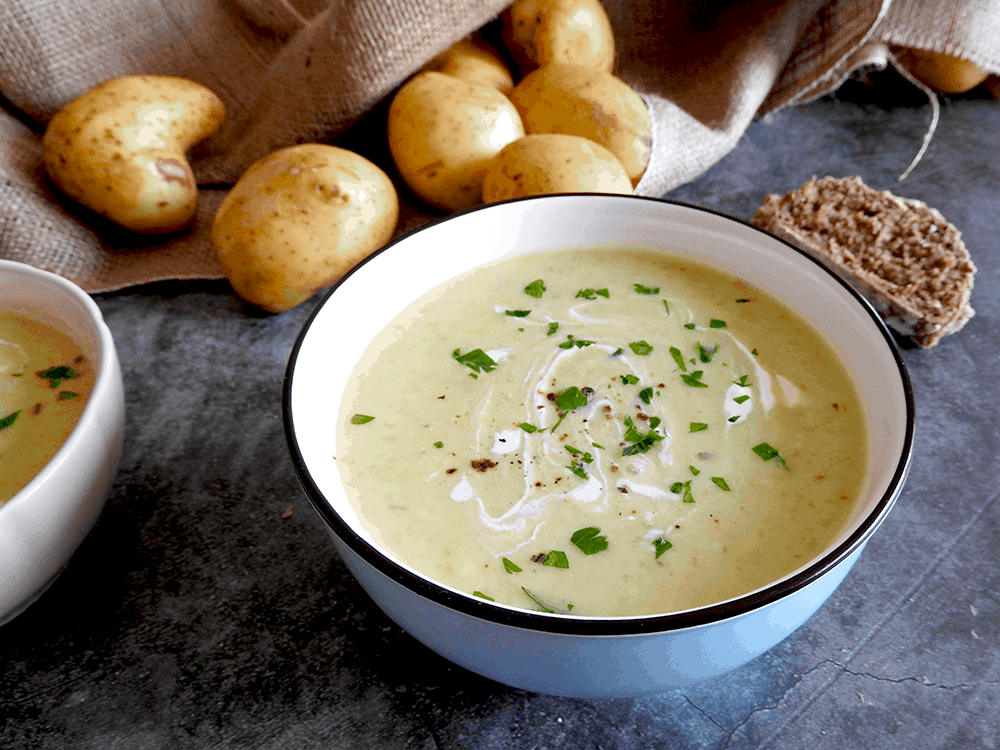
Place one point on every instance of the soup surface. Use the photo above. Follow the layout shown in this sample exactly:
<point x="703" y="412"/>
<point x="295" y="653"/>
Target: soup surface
<point x="45" y="382"/>
<point x="607" y="433"/>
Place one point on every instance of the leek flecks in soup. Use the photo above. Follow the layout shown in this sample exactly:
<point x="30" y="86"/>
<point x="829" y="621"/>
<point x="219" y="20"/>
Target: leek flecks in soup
<point x="606" y="433"/>
<point x="45" y="382"/>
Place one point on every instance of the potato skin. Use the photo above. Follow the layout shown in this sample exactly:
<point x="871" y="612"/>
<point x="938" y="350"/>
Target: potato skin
<point x="299" y="219"/>
<point x="119" y="149"/>
<point x="577" y="100"/>
<point x="476" y="61"/>
<point x="542" y="32"/>
<point x="944" y="73"/>
<point x="552" y="163"/>
<point x="442" y="134"/>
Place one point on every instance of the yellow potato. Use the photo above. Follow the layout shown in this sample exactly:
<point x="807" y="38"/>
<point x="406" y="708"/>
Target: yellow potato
<point x="298" y="220"/>
<point x="119" y="149"/>
<point x="551" y="163"/>
<point x="593" y="104"/>
<point x="474" y="60"/>
<point x="443" y="133"/>
<point x="944" y="73"/>
<point x="541" y="32"/>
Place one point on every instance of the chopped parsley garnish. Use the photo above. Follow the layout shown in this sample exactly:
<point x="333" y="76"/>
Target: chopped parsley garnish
<point x="678" y="358"/>
<point x="537" y="601"/>
<point x="694" y="379"/>
<point x="720" y="482"/>
<point x="529" y="428"/>
<point x="510" y="566"/>
<point x="582" y="455"/>
<point x="690" y="326"/>
<point x="56" y="375"/>
<point x="598" y="446"/>
<point x="684" y="490"/>
<point x="571" y="398"/>
<point x="580" y="458"/>
<point x="481" y="595"/>
<point x="589" y="541"/>
<point x="617" y="351"/>
<point x="518" y="313"/>
<point x="535" y="288"/>
<point x="577" y="468"/>
<point x="630" y="379"/>
<point x="741" y="399"/>
<point x="7" y="421"/>
<point x="439" y="444"/>
<point x="744" y="299"/>
<point x="361" y="419"/>
<point x="477" y="360"/>
<point x="733" y="419"/>
<point x="661" y="545"/>
<point x="698" y="426"/>
<point x="553" y="327"/>
<point x="593" y="293"/>
<point x="694" y="471"/>
<point x="704" y="354"/>
<point x="646" y="394"/>
<point x="640" y="289"/>
<point x="640" y="443"/>
<point x="743" y="382"/>
<point x="716" y="323"/>
<point x="768" y="452"/>
<point x="570" y="342"/>
<point x="640" y="347"/>
<point x="556" y="559"/>
<point x="666" y="306"/>
<point x="66" y="395"/>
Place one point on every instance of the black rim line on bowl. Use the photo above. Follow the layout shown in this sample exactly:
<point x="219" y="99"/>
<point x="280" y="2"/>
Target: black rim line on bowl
<point x="577" y="624"/>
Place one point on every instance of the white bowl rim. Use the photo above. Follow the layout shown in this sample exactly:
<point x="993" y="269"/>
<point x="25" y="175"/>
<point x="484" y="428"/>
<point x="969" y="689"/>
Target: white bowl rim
<point x="590" y="625"/>
<point x="103" y="377"/>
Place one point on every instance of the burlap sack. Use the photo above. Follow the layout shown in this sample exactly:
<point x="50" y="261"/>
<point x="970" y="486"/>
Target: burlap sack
<point x="293" y="71"/>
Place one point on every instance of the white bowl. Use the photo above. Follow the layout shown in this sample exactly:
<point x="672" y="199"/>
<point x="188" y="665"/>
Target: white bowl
<point x="43" y="524"/>
<point x="564" y="654"/>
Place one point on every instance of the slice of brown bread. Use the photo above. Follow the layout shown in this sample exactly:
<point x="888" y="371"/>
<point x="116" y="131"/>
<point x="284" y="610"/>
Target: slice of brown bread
<point x="900" y="254"/>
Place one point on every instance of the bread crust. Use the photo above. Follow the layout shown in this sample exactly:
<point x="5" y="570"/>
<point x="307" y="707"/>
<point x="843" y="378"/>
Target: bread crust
<point x="902" y="255"/>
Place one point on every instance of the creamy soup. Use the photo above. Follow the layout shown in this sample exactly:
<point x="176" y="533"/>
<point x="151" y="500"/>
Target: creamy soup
<point x="45" y="382"/>
<point x="614" y="432"/>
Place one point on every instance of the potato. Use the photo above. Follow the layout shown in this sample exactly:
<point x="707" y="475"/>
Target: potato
<point x="300" y="218"/>
<point x="541" y="32"/>
<point x="443" y="133"/>
<point x="119" y="149"/>
<point x="577" y="100"/>
<point x="474" y="60"/>
<point x="944" y="73"/>
<point x="553" y="163"/>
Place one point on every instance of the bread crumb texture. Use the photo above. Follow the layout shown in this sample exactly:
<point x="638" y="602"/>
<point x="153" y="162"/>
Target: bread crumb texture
<point x="900" y="253"/>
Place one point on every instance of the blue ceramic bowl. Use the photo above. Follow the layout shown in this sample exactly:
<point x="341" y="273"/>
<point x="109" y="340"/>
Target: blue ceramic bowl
<point x="564" y="654"/>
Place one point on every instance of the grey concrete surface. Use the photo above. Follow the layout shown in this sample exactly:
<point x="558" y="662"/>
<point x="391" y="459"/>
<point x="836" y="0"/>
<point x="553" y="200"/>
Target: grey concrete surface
<point x="207" y="609"/>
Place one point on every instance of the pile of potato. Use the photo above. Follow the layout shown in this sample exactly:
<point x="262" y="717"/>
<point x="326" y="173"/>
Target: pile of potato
<point x="460" y="133"/>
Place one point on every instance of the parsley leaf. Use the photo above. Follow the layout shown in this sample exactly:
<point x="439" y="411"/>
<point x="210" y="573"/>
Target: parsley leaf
<point x="477" y="360"/>
<point x="553" y="327"/>
<point x="698" y="426"/>
<point x="684" y="490"/>
<point x="529" y="428"/>
<point x="481" y="595"/>
<point x="720" y="482"/>
<point x="661" y="545"/>
<point x="678" y="358"/>
<point x="518" y="313"/>
<point x="593" y="293"/>
<point x="537" y="601"/>
<point x="640" y="289"/>
<point x="361" y="419"/>
<point x="571" y="398"/>
<point x="640" y="443"/>
<point x="640" y="347"/>
<point x="646" y="394"/>
<point x="768" y="452"/>
<point x="588" y="540"/>
<point x="716" y="323"/>
<point x="535" y="288"/>
<point x="666" y="306"/>
<point x="694" y="379"/>
<point x="439" y="444"/>
<point x="704" y="354"/>
<point x="741" y="399"/>
<point x="510" y="566"/>
<point x="7" y="421"/>
<point x="56" y="375"/>
<point x="694" y="471"/>
<point x="743" y="382"/>
<point x="556" y="559"/>
<point x="630" y="379"/>
<point x="570" y="342"/>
